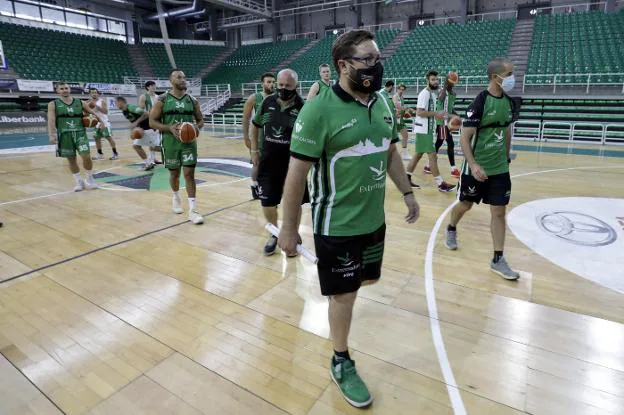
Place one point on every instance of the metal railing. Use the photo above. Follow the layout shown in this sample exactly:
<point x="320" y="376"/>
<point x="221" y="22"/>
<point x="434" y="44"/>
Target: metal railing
<point x="214" y="102"/>
<point x="572" y="8"/>
<point x="499" y="15"/>
<point x="465" y="82"/>
<point x="253" y="87"/>
<point x="526" y="130"/>
<point x="215" y="89"/>
<point x="306" y="35"/>
<point x="557" y="80"/>
<point x="393" y="25"/>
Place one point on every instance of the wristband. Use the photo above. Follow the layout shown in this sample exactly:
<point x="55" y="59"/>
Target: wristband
<point x="408" y="193"/>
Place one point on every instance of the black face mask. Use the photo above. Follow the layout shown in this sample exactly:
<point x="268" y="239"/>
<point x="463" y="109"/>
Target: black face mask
<point x="286" y="94"/>
<point x="367" y="80"/>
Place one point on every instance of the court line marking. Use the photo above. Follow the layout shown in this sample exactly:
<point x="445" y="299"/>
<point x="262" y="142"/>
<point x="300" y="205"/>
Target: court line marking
<point x="445" y="366"/>
<point x="12" y="202"/>
<point x="114" y="244"/>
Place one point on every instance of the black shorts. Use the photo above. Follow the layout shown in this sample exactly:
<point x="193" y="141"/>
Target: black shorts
<point x="443" y="133"/>
<point x="271" y="179"/>
<point x="496" y="190"/>
<point x="345" y="261"/>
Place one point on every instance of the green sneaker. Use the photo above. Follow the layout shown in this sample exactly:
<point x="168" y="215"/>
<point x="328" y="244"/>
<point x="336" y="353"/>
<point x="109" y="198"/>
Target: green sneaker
<point x="351" y="386"/>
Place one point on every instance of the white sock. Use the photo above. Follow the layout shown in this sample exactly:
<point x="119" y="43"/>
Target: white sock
<point x="89" y="174"/>
<point x="77" y="177"/>
<point x="151" y="156"/>
<point x="439" y="180"/>
<point x="191" y="203"/>
<point x="176" y="196"/>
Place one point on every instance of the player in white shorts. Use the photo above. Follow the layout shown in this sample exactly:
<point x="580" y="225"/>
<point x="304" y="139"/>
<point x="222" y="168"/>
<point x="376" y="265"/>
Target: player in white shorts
<point x="103" y="128"/>
<point x="139" y="118"/>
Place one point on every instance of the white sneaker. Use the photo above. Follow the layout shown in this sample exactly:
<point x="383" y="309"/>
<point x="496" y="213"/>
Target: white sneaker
<point x="98" y="156"/>
<point x="195" y="217"/>
<point x="177" y="206"/>
<point x="80" y="186"/>
<point x="406" y="154"/>
<point x="91" y="184"/>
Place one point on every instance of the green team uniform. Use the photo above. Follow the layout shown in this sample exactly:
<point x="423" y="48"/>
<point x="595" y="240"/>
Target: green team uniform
<point x="257" y="107"/>
<point x="389" y="100"/>
<point x="323" y="87"/>
<point x="491" y="116"/>
<point x="402" y="121"/>
<point x="133" y="113"/>
<point x="71" y="133"/>
<point x="447" y="105"/>
<point x="425" y="126"/>
<point x="349" y="144"/>
<point x="148" y="101"/>
<point x="177" y="110"/>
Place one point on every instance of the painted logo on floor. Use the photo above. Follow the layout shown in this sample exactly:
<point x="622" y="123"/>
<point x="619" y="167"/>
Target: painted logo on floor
<point x="584" y="235"/>
<point x="132" y="177"/>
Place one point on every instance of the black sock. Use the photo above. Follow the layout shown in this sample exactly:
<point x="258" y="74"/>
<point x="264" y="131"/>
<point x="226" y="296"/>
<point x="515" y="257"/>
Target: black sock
<point x="341" y="356"/>
<point x="99" y="150"/>
<point x="497" y="256"/>
<point x="114" y="150"/>
<point x="452" y="228"/>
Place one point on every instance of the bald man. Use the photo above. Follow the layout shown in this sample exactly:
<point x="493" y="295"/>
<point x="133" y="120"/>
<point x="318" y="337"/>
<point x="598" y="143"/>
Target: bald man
<point x="276" y="117"/>
<point x="486" y="143"/>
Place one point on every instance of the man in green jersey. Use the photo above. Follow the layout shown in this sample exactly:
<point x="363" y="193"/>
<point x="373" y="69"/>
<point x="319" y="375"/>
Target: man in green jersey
<point x="347" y="136"/>
<point x="403" y="115"/>
<point x="66" y="130"/>
<point x="486" y="143"/>
<point x="172" y="109"/>
<point x="386" y="92"/>
<point x="321" y="85"/>
<point x="424" y="126"/>
<point x="138" y="117"/>
<point x="446" y="101"/>
<point x="147" y="101"/>
<point x="252" y="106"/>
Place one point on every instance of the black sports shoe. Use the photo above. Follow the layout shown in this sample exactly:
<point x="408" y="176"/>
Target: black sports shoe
<point x="412" y="184"/>
<point x="254" y="192"/>
<point x="271" y="245"/>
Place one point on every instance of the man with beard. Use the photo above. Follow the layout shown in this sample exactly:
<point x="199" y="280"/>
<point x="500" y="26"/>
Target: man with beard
<point x="172" y="109"/>
<point x="424" y="126"/>
<point x="347" y="136"/>
<point x="275" y="118"/>
<point x="252" y="105"/>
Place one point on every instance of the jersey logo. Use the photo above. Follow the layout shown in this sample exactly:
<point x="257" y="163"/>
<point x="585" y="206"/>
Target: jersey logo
<point x="350" y="124"/>
<point x="499" y="136"/>
<point x="70" y="124"/>
<point x="380" y="173"/>
<point x="278" y="132"/>
<point x="472" y="190"/>
<point x="346" y="260"/>
<point x="298" y="127"/>
<point x="70" y="110"/>
<point x="491" y="114"/>
<point x="294" y="112"/>
<point x="469" y="113"/>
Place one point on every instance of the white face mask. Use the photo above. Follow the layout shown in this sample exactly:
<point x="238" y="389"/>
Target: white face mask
<point x="508" y="82"/>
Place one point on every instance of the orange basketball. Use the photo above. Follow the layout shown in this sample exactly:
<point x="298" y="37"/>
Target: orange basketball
<point x="453" y="77"/>
<point x="454" y="123"/>
<point x="89" y="121"/>
<point x="137" y="133"/>
<point x="408" y="113"/>
<point x="91" y="104"/>
<point x="188" y="132"/>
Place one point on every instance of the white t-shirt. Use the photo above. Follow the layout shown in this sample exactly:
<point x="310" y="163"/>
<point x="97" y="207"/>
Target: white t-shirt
<point x="426" y="101"/>
<point x="103" y="117"/>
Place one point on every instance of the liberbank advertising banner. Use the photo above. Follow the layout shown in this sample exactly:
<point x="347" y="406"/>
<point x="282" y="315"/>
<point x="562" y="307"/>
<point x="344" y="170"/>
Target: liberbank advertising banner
<point x="33" y="85"/>
<point x="20" y="119"/>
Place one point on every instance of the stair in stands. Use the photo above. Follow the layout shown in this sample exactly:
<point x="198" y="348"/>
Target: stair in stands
<point x="222" y="57"/>
<point x="139" y="62"/>
<point x="394" y="45"/>
<point x="520" y="49"/>
<point x="291" y="58"/>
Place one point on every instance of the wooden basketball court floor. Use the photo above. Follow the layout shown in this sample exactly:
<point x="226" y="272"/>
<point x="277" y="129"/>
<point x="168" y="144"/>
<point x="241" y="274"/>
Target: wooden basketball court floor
<point x="110" y="304"/>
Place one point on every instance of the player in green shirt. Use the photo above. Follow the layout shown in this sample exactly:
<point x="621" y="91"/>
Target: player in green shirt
<point x="172" y="109"/>
<point x="486" y="143"/>
<point x="402" y="111"/>
<point x="252" y="106"/>
<point x="346" y="137"/>
<point x="322" y="84"/>
<point x="66" y="130"/>
<point x="446" y="103"/>
<point x="147" y="101"/>
<point x="138" y="117"/>
<point x="386" y="92"/>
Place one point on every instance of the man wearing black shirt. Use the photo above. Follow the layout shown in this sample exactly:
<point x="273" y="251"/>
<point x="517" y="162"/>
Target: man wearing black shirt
<point x="276" y="117"/>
